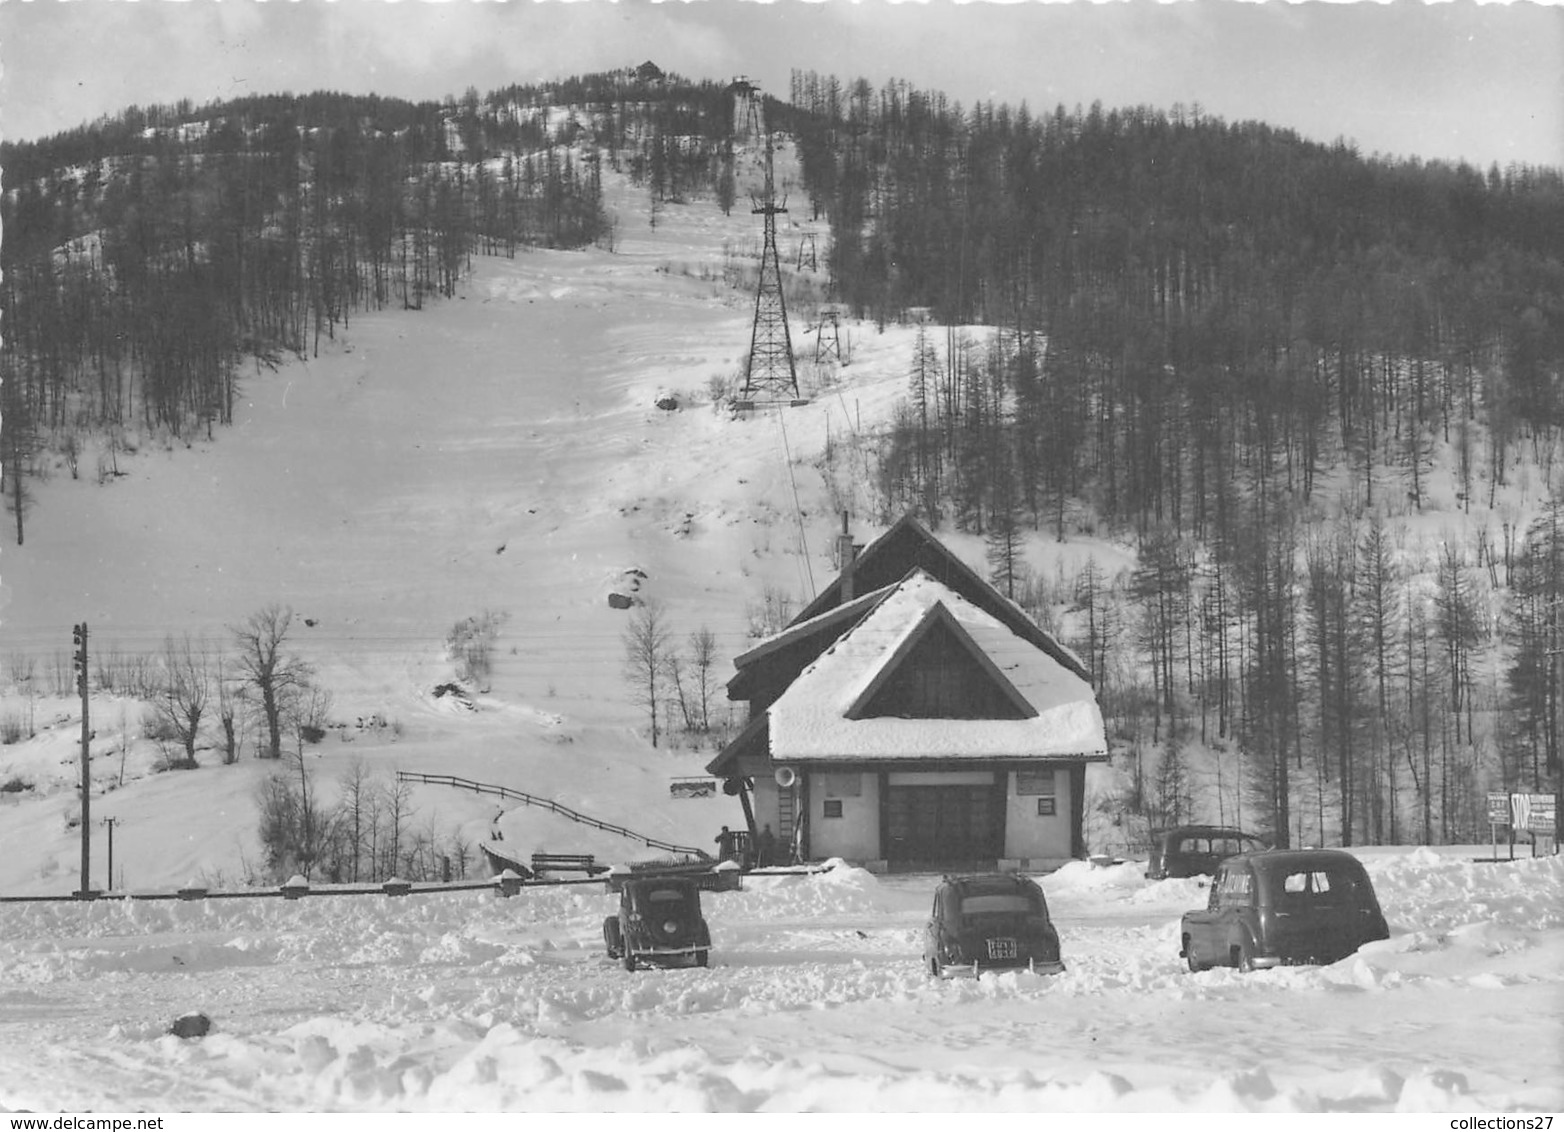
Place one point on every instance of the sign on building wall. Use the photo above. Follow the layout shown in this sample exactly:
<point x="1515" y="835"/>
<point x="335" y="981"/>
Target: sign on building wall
<point x="1035" y="781"/>
<point x="848" y="785"/>
<point x="1041" y="784"/>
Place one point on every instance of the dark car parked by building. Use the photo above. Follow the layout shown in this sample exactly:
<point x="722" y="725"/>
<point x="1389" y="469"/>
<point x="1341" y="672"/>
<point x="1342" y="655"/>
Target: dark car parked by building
<point x="994" y="920"/>
<point x="659" y="923"/>
<point x="1283" y="906"/>
<point x="1196" y="850"/>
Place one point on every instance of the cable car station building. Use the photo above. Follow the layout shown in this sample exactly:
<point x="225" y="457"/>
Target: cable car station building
<point x="913" y="717"/>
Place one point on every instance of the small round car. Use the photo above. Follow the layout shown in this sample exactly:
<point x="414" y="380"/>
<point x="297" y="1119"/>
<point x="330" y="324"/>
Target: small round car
<point x="659" y="923"/>
<point x="990" y="921"/>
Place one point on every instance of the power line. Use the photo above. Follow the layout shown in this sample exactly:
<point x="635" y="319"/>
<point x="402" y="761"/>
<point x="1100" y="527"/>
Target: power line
<point x="798" y="511"/>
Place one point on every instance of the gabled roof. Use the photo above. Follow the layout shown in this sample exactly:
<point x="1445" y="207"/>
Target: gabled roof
<point x="934" y="618"/>
<point x="748" y="752"/>
<point x="812" y="721"/>
<point x="906" y="544"/>
<point x="824" y="629"/>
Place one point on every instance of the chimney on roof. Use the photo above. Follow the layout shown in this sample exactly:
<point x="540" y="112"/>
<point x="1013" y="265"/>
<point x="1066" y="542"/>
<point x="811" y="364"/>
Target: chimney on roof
<point x="845" y="553"/>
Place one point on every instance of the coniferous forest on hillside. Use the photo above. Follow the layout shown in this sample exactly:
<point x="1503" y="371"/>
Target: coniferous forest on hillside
<point x="1250" y="354"/>
<point x="1300" y="383"/>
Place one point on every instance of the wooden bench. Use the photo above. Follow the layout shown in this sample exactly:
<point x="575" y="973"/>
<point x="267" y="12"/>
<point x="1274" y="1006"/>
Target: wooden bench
<point x="566" y="863"/>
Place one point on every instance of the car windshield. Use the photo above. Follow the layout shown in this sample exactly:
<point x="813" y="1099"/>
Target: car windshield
<point x="997" y="902"/>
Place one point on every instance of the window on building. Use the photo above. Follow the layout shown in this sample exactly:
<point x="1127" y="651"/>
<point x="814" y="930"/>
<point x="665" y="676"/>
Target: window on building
<point x="833" y="808"/>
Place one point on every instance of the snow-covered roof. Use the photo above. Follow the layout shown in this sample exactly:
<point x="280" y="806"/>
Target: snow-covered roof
<point x="800" y="630"/>
<point x="813" y="719"/>
<point x="906" y="544"/>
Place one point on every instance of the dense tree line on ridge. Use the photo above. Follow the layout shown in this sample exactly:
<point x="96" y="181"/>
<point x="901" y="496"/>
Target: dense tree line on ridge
<point x="151" y="256"/>
<point x="140" y="275"/>
<point x="1267" y="301"/>
<point x="1250" y="355"/>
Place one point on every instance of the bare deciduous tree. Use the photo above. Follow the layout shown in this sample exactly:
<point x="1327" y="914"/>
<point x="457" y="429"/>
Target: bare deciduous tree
<point x="308" y="711"/>
<point x="296" y="831"/>
<point x="355" y="800"/>
<point x="646" y="659"/>
<point x="393" y="809"/>
<point x="23" y="673"/>
<point x="230" y="699"/>
<point x="187" y="689"/>
<point x="676" y="667"/>
<point x="272" y="672"/>
<point x="703" y="661"/>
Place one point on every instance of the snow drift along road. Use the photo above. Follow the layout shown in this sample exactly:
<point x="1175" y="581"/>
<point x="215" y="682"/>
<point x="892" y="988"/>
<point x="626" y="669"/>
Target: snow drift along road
<point x="815" y="1000"/>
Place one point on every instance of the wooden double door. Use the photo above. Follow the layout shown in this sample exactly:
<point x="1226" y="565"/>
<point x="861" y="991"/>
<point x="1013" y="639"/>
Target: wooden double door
<point x="946" y="823"/>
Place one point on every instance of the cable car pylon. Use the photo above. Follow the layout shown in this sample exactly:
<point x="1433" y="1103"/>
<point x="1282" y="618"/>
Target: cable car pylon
<point x="769" y="371"/>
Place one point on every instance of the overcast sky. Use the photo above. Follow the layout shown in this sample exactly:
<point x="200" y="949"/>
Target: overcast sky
<point x="1453" y="80"/>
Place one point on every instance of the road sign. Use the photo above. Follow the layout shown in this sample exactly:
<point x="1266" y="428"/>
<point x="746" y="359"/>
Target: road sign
<point x="1539" y="814"/>
<point x="1498" y="808"/>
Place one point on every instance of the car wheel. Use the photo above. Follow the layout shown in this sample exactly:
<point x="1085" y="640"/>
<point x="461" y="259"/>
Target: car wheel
<point x="701" y="958"/>
<point x="629" y="960"/>
<point x="611" y="936"/>
<point x="1195" y="965"/>
<point x="935" y="970"/>
<point x="1243" y="958"/>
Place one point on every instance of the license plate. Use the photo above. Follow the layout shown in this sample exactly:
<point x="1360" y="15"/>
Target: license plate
<point x="1001" y="949"/>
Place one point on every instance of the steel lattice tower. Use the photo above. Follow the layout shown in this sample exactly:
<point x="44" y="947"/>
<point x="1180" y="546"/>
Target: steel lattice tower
<point x="770" y="368"/>
<point x="746" y="109"/>
<point x="828" y="339"/>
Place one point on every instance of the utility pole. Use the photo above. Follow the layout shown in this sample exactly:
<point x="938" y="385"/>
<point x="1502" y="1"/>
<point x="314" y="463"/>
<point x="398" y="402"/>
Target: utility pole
<point x="79" y="635"/>
<point x="110" y="823"/>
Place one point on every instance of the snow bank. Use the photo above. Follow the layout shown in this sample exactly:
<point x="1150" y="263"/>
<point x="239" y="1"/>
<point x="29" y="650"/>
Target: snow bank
<point x="816" y="999"/>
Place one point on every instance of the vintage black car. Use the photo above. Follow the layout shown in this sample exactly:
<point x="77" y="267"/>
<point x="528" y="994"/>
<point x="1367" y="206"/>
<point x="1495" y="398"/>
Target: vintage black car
<point x="659" y="923"/>
<point x="987" y="921"/>
<point x="1283" y="906"/>
<point x="1196" y="850"/>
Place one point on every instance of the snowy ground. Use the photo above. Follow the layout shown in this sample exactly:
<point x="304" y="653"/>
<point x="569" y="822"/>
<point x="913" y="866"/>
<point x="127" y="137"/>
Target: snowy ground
<point x="501" y="452"/>
<point x="815" y="1000"/>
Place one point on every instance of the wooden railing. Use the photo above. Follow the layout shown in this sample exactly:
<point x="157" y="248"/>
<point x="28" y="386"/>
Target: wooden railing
<point x="550" y="805"/>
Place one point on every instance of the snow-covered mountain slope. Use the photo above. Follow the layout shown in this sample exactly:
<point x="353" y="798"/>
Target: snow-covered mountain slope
<point x="501" y="453"/>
